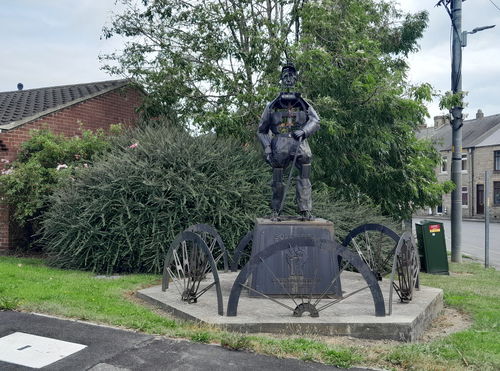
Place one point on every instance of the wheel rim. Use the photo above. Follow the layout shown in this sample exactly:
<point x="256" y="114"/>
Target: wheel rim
<point x="214" y="243"/>
<point x="191" y="269"/>
<point x="375" y="244"/>
<point x="242" y="252"/>
<point x="406" y="267"/>
<point x="305" y="303"/>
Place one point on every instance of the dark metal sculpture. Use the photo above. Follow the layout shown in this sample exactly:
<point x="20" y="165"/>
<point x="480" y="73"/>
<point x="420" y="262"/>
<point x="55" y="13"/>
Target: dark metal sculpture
<point x="244" y="249"/>
<point x="214" y="242"/>
<point x="192" y="269"/>
<point x="305" y="303"/>
<point x="405" y="269"/>
<point x="285" y="125"/>
<point x="375" y="244"/>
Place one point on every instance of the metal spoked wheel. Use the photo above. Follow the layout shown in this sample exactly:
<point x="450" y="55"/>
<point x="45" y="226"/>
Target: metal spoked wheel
<point x="375" y="244"/>
<point x="242" y="252"/>
<point x="214" y="243"/>
<point x="191" y="269"/>
<point x="304" y="301"/>
<point x="406" y="268"/>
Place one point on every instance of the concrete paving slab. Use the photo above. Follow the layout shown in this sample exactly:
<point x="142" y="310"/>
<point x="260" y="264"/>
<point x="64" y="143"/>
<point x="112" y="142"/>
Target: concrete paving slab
<point x="354" y="316"/>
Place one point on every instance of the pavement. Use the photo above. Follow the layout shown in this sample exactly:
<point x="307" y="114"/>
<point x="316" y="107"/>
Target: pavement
<point x="112" y="349"/>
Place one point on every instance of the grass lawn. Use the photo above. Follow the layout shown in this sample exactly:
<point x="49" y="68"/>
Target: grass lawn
<point x="29" y="285"/>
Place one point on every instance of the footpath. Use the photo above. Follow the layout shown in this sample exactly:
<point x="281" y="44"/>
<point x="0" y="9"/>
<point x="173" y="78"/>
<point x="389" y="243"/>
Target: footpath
<point x="100" y="348"/>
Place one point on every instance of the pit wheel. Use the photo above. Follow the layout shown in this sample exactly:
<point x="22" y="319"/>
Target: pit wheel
<point x="242" y="252"/>
<point x="214" y="243"/>
<point x="305" y="302"/>
<point x="405" y="270"/>
<point x="191" y="268"/>
<point x="375" y="244"/>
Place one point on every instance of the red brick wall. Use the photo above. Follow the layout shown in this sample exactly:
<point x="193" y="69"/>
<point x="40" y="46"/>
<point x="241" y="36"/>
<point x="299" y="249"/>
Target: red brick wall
<point x="117" y="106"/>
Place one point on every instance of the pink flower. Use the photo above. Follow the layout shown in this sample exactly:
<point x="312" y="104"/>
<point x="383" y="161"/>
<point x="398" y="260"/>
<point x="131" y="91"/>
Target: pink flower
<point x="61" y="166"/>
<point x="5" y="161"/>
<point x="135" y="145"/>
<point x="7" y="172"/>
<point x="85" y="165"/>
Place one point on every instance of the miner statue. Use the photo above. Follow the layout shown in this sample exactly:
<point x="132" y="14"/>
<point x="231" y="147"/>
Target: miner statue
<point x="285" y="125"/>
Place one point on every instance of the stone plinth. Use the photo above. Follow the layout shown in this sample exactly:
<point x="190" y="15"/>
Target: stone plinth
<point x="299" y="270"/>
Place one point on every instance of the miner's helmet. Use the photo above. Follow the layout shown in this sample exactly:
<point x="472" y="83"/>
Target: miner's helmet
<point x="288" y="75"/>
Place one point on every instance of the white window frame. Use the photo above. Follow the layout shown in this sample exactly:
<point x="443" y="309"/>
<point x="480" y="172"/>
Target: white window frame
<point x="444" y="161"/>
<point x="465" y="190"/>
<point x="465" y="158"/>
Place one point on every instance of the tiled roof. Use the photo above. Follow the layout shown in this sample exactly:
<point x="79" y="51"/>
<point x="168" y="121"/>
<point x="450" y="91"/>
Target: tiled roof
<point x="21" y="106"/>
<point x="473" y="132"/>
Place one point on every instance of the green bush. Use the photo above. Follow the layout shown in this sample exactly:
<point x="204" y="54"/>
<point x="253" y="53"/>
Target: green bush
<point x="44" y="162"/>
<point x="121" y="214"/>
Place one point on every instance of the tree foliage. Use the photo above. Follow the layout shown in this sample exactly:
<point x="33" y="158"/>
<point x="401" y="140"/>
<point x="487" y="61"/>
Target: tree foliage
<point x="216" y="63"/>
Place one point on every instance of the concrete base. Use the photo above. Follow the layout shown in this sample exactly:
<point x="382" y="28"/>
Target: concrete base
<point x="353" y="316"/>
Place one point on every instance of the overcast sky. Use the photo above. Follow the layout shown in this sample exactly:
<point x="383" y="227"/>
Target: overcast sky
<point x="57" y="42"/>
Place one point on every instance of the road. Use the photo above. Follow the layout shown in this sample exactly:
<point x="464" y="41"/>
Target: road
<point x="473" y="239"/>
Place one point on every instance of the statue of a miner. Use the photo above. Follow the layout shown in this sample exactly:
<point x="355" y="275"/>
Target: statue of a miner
<point x="285" y="125"/>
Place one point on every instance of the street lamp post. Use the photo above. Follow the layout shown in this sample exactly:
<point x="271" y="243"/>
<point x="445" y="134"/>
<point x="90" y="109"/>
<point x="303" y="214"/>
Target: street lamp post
<point x="454" y="9"/>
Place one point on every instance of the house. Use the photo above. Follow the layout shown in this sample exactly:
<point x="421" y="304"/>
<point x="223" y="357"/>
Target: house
<point x="63" y="110"/>
<point x="480" y="153"/>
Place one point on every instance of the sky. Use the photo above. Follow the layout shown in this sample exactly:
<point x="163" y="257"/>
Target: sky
<point x="57" y="42"/>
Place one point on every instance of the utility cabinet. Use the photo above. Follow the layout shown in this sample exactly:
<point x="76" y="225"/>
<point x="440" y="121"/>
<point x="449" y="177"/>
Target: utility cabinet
<point x="432" y="247"/>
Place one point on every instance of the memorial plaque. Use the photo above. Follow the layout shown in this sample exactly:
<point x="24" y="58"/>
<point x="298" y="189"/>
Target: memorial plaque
<point x="300" y="270"/>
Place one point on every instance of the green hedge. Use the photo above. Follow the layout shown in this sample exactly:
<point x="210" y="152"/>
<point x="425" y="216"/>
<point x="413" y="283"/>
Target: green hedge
<point x="121" y="214"/>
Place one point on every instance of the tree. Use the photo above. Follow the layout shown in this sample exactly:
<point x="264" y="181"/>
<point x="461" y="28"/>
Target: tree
<point x="354" y="67"/>
<point x="208" y="62"/>
<point x="216" y="62"/>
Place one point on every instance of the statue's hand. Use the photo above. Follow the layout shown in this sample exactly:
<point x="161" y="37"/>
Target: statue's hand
<point x="297" y="134"/>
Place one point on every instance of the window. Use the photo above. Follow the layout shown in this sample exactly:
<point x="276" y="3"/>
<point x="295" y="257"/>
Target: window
<point x="444" y="164"/>
<point x="496" y="160"/>
<point x="465" y="196"/>
<point x="464" y="162"/>
<point x="496" y="193"/>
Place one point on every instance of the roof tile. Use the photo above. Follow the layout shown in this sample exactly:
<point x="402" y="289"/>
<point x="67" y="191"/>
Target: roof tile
<point x="22" y="104"/>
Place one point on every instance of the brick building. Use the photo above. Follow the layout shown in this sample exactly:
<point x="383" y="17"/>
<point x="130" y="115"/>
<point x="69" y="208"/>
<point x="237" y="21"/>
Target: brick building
<point x="480" y="153"/>
<point x="63" y="110"/>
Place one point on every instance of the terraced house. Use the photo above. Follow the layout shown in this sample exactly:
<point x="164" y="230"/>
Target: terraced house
<point x="63" y="110"/>
<point x="480" y="153"/>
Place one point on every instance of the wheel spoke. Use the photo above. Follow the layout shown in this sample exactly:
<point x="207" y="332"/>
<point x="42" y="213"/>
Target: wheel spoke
<point x="174" y="281"/>
<point x="268" y="297"/>
<point x="342" y="298"/>
<point x="179" y="267"/>
<point x="331" y="284"/>
<point x="205" y="289"/>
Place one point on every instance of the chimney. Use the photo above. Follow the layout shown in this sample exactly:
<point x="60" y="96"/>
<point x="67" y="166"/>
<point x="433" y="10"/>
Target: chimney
<point x="440" y="121"/>
<point x="20" y="86"/>
<point x="479" y="114"/>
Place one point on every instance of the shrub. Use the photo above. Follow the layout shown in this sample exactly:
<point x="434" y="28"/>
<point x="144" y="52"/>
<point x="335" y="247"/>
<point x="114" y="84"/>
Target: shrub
<point x="121" y="214"/>
<point x="44" y="162"/>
